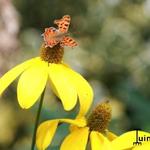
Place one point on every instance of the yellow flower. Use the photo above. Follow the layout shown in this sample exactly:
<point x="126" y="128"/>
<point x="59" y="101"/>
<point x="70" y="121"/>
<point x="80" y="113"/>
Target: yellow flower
<point x="131" y="141"/>
<point x="67" y="84"/>
<point x="81" y="129"/>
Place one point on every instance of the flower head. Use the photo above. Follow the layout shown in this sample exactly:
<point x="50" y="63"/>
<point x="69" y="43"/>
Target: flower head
<point x="67" y="84"/>
<point x="81" y="129"/>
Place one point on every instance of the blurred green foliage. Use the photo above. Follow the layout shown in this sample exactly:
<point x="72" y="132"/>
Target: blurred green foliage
<point x="113" y="55"/>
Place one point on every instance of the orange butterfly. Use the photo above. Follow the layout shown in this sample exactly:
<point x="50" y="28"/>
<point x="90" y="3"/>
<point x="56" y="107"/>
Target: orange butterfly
<point x="53" y="36"/>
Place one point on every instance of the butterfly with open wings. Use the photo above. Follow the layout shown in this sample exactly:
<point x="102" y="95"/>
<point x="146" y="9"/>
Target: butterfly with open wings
<point x="53" y="36"/>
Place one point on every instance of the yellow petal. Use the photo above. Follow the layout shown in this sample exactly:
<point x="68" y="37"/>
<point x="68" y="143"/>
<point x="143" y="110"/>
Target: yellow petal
<point x="76" y="140"/>
<point x="111" y="136"/>
<point x="143" y="147"/>
<point x="11" y="75"/>
<point x="83" y="88"/>
<point x="126" y="140"/>
<point x="99" y="142"/>
<point x="45" y="134"/>
<point x="47" y="130"/>
<point x="62" y="86"/>
<point x="80" y="122"/>
<point x="32" y="83"/>
<point x="77" y="122"/>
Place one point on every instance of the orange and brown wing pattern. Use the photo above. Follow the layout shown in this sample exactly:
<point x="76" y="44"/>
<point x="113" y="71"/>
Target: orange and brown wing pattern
<point x="53" y="36"/>
<point x="68" y="41"/>
<point x="49" y="37"/>
<point x="63" y="24"/>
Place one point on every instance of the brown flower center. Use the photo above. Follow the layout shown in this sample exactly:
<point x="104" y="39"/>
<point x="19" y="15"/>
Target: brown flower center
<point x="52" y="55"/>
<point x="100" y="117"/>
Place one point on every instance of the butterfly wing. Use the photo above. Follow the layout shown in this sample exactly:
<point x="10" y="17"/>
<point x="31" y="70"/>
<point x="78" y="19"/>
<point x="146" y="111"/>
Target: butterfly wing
<point x="53" y="36"/>
<point x="68" y="41"/>
<point x="63" y="24"/>
<point x="49" y="37"/>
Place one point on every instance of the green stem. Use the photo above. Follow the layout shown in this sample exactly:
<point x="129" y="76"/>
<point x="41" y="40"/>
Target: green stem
<point x="37" y="120"/>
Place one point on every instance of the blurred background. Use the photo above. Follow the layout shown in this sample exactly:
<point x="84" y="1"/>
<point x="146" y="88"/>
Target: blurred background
<point x="113" y="55"/>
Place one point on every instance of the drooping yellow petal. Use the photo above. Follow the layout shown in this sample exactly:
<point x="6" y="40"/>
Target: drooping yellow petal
<point x="80" y="122"/>
<point x="11" y="75"/>
<point x="99" y="142"/>
<point x="62" y="86"/>
<point x="83" y="88"/>
<point x="111" y="136"/>
<point x="32" y="83"/>
<point x="143" y="147"/>
<point x="127" y="140"/>
<point x="47" y="129"/>
<point x="76" y="140"/>
<point x="45" y="134"/>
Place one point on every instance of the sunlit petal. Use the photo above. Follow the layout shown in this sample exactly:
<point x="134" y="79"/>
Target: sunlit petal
<point x="62" y="86"/>
<point x="83" y="88"/>
<point x="11" y="75"/>
<point x="143" y="146"/>
<point x="80" y="122"/>
<point x="45" y="134"/>
<point x="99" y="142"/>
<point x="127" y="140"/>
<point x="32" y="83"/>
<point x="76" y="140"/>
<point x="111" y="136"/>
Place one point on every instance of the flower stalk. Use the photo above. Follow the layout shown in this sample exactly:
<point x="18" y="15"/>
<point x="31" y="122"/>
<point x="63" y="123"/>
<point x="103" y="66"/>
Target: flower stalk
<point x="37" y="120"/>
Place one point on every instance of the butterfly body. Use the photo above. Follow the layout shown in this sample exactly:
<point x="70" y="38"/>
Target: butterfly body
<point x="53" y="36"/>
